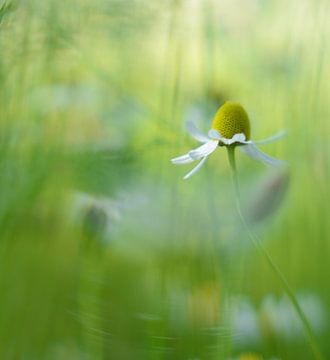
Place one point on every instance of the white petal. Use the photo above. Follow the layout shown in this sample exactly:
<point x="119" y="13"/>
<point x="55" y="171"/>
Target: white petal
<point x="240" y="138"/>
<point x="195" y="132"/>
<point x="204" y="150"/>
<point x="181" y="160"/>
<point x="273" y="138"/>
<point x="256" y="154"/>
<point x="196" y="168"/>
<point x="214" y="134"/>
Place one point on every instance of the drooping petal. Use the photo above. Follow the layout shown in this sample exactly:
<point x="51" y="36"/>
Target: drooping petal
<point x="214" y="134"/>
<point x="273" y="138"/>
<point x="196" y="168"/>
<point x="195" y="132"/>
<point x="256" y="154"/>
<point x="181" y="160"/>
<point x="204" y="150"/>
<point x="237" y="138"/>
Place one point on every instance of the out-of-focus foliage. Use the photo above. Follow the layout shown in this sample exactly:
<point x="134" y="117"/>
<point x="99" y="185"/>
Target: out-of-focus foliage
<point x="105" y="252"/>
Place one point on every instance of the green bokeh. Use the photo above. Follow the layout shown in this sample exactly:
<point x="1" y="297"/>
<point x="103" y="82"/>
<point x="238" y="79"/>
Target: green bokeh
<point x="105" y="252"/>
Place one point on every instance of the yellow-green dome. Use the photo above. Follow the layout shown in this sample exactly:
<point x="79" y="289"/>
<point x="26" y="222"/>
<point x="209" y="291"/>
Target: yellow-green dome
<point x="231" y="119"/>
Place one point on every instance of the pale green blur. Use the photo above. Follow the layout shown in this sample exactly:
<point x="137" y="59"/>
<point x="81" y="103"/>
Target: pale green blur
<point x="105" y="252"/>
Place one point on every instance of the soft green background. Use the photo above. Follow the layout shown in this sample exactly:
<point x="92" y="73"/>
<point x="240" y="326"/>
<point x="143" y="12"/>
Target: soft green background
<point x="105" y="252"/>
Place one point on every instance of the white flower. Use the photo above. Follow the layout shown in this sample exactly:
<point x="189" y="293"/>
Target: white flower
<point x="230" y="127"/>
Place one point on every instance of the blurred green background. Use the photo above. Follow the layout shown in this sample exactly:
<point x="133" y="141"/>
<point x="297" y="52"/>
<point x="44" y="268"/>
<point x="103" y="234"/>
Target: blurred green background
<point x="105" y="252"/>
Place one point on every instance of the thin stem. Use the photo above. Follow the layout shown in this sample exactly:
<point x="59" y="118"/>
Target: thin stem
<point x="256" y="242"/>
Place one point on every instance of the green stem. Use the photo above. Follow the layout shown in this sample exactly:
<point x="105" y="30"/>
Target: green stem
<point x="256" y="242"/>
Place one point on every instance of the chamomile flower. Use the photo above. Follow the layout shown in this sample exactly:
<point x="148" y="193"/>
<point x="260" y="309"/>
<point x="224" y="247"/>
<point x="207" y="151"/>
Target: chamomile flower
<point x="230" y="127"/>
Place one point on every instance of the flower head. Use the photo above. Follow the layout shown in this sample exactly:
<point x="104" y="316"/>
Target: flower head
<point x="230" y="127"/>
<point x="231" y="119"/>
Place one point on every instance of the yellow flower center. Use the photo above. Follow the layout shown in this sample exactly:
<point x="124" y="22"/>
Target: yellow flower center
<point x="231" y="119"/>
